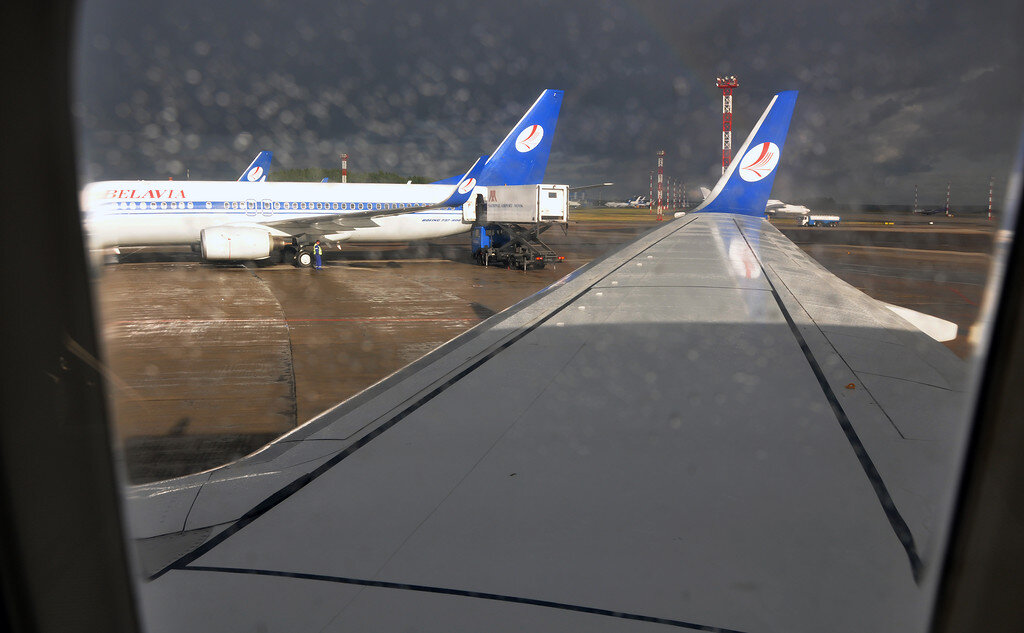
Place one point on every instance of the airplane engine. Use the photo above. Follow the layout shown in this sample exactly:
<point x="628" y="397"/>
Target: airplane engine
<point x="235" y="243"/>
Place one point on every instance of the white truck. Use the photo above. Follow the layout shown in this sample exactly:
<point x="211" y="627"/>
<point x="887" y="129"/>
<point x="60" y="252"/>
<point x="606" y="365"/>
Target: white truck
<point x="820" y="220"/>
<point x="509" y="224"/>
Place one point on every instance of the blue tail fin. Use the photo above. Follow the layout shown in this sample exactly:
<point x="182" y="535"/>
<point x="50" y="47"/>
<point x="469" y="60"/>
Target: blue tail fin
<point x="746" y="184"/>
<point x="467" y="184"/>
<point x="522" y="158"/>
<point x="258" y="169"/>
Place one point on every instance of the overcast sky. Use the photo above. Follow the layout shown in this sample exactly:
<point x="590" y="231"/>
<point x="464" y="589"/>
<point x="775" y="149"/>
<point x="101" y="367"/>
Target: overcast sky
<point x="891" y="95"/>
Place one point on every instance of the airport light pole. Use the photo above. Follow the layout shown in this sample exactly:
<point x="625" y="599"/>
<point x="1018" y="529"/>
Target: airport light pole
<point x="579" y="191"/>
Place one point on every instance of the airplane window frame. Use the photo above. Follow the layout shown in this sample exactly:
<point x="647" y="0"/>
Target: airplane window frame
<point x="68" y="459"/>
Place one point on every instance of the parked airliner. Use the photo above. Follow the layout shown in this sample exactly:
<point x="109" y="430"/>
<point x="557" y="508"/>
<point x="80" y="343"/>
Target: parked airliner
<point x="634" y="203"/>
<point x="784" y="208"/>
<point x="231" y="221"/>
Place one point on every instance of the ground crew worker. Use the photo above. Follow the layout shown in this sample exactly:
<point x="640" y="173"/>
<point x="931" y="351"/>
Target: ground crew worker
<point x="317" y="253"/>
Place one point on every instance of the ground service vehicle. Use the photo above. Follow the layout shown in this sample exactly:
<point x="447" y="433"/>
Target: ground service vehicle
<point x="820" y="220"/>
<point x="511" y="221"/>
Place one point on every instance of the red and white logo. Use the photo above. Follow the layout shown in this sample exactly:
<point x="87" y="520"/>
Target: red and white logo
<point x="759" y="161"/>
<point x="529" y="138"/>
<point x="742" y="259"/>
<point x="467" y="185"/>
<point x="255" y="175"/>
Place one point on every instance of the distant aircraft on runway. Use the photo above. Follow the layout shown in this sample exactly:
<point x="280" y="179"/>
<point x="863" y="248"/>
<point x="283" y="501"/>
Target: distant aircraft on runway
<point x="782" y="208"/>
<point x="639" y="201"/>
<point x="231" y="221"/>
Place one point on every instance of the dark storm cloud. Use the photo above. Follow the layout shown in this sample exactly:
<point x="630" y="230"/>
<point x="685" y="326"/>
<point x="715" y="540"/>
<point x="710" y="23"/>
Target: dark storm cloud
<point x="891" y="95"/>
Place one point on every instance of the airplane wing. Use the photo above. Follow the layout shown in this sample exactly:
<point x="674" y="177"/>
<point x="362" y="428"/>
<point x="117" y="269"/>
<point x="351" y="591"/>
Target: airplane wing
<point x="704" y="430"/>
<point x="348" y="220"/>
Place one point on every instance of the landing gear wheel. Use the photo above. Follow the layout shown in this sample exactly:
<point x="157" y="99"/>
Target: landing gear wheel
<point x="304" y="259"/>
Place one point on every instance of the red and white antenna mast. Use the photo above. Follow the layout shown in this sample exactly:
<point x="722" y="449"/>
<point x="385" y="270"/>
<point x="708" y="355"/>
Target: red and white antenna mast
<point x="650" y="197"/>
<point x="947" y="197"/>
<point x="344" y="168"/>
<point x="991" y="184"/>
<point x="727" y="84"/>
<point x="915" y="198"/>
<point x="661" y="178"/>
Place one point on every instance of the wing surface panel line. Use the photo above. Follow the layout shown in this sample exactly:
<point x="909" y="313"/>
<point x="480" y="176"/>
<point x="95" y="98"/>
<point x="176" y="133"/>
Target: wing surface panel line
<point x="708" y="287"/>
<point x="899" y="525"/>
<point x="846" y="363"/>
<point x="832" y="346"/>
<point x="472" y="469"/>
<point x="900" y="378"/>
<point x="463" y="593"/>
<point x="300" y="482"/>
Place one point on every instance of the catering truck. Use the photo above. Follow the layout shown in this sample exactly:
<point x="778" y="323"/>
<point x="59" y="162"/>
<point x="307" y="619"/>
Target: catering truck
<point x="510" y="220"/>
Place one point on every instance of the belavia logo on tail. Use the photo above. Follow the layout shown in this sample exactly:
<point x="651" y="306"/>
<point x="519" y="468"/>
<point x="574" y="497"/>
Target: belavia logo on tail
<point x="256" y="175"/>
<point x="529" y="138"/>
<point x="746" y="184"/>
<point x="759" y="161"/>
<point x="467" y="185"/>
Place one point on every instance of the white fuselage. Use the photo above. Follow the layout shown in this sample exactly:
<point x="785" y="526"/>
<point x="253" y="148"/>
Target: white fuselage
<point x="779" y="207"/>
<point x="634" y="203"/>
<point x="125" y="213"/>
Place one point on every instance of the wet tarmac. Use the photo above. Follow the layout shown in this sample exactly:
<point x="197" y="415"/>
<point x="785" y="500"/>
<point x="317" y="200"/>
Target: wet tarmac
<point x="209" y="362"/>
